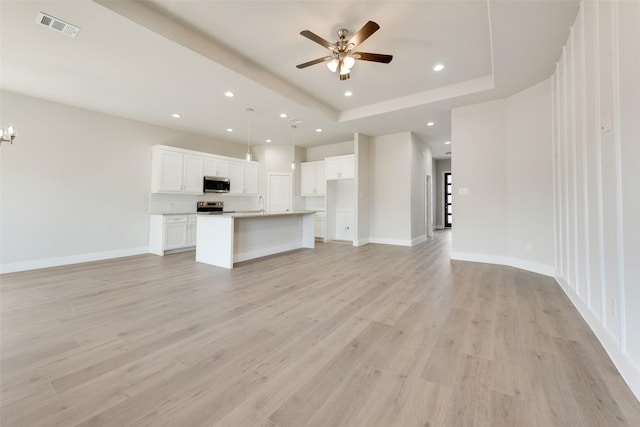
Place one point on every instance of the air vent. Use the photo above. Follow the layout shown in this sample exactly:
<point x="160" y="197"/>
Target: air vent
<point x="57" y="25"/>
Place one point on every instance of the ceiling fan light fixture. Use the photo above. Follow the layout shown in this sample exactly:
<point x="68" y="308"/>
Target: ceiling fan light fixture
<point x="333" y="65"/>
<point x="349" y="61"/>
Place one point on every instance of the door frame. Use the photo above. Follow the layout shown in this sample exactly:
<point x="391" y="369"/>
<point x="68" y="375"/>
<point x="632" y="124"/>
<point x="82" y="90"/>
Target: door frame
<point x="445" y="223"/>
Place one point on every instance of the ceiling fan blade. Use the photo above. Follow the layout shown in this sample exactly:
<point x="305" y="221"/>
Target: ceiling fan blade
<point x="314" y="62"/>
<point x="316" y="38"/>
<point x="375" y="57"/>
<point x="364" y="33"/>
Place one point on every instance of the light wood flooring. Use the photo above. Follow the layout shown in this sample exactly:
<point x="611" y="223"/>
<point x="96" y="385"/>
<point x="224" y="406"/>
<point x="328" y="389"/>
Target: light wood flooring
<point x="336" y="336"/>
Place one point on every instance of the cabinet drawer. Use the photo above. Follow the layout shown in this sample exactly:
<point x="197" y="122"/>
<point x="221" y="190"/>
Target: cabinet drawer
<point x="171" y="219"/>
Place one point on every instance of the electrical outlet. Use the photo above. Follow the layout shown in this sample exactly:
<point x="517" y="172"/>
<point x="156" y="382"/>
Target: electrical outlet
<point x="528" y="248"/>
<point x="613" y="307"/>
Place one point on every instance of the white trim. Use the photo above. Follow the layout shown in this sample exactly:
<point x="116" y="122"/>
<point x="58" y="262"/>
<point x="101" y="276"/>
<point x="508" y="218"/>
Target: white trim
<point x="385" y="241"/>
<point x="628" y="369"/>
<point x="418" y="240"/>
<point x="71" y="259"/>
<point x="360" y="242"/>
<point x="439" y="227"/>
<point x="547" y="270"/>
<point x="621" y="306"/>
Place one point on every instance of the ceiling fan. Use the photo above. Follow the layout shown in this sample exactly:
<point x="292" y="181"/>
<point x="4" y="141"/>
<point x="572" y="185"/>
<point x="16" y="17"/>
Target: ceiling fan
<point x="342" y="55"/>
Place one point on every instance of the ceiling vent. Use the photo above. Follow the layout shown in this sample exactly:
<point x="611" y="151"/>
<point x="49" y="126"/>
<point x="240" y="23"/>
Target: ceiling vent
<point x="57" y="25"/>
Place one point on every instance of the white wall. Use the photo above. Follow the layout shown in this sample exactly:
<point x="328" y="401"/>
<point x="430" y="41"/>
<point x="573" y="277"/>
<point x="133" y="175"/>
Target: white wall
<point x="421" y="165"/>
<point x="362" y="156"/>
<point x="480" y="162"/>
<point x="530" y="178"/>
<point x="596" y="100"/>
<point x="503" y="156"/>
<point x="76" y="183"/>
<point x="329" y="150"/>
<point x="390" y="189"/>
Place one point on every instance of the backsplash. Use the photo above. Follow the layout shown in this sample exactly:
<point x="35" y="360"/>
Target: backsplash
<point x="185" y="203"/>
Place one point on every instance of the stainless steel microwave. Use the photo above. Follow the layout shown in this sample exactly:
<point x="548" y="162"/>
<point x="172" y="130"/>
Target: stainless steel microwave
<point x="216" y="184"/>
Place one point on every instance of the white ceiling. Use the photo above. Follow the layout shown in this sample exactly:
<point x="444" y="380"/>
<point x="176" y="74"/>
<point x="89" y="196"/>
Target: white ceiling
<point x="147" y="60"/>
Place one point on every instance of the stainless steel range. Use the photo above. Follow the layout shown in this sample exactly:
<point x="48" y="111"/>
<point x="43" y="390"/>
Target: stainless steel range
<point x="211" y="208"/>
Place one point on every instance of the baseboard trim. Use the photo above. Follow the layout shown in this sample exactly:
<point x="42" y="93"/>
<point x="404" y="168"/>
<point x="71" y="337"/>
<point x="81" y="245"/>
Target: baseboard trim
<point x="72" y="259"/>
<point x="360" y="242"/>
<point x="628" y="369"/>
<point x="418" y="240"/>
<point x="543" y="269"/>
<point x="385" y="241"/>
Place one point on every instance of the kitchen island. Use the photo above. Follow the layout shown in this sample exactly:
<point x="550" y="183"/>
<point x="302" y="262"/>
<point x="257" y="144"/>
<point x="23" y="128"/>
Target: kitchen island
<point x="227" y="238"/>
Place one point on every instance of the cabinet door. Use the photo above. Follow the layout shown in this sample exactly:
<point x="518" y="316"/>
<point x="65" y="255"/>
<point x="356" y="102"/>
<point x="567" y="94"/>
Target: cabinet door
<point x="318" y="226"/>
<point x="308" y="179"/>
<point x="191" y="230"/>
<point x="193" y="174"/>
<point x="250" y="179"/>
<point x="332" y="168"/>
<point x="236" y="176"/>
<point x="216" y="167"/>
<point x="169" y="171"/>
<point x="175" y="235"/>
<point x="320" y="181"/>
<point x="347" y="169"/>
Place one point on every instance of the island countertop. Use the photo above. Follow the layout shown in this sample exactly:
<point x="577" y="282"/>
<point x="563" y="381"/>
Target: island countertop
<point x="253" y="214"/>
<point x="231" y="237"/>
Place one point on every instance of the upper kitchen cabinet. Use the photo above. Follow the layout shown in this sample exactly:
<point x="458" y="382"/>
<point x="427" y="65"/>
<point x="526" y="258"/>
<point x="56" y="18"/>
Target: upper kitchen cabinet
<point x="243" y="177"/>
<point x="340" y="167"/>
<point x="174" y="171"/>
<point x="214" y="166"/>
<point x="312" y="178"/>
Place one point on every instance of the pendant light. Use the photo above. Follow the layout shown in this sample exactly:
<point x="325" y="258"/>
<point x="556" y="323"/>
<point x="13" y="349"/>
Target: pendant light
<point x="248" y="157"/>
<point x="293" y="146"/>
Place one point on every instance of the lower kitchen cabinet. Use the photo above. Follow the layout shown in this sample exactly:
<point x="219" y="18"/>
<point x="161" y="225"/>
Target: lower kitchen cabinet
<point x="318" y="225"/>
<point x="172" y="233"/>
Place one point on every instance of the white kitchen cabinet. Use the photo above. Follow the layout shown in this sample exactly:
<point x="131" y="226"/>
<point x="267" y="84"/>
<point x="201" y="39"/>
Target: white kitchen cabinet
<point x="318" y="225"/>
<point x="339" y="167"/>
<point x="192" y="220"/>
<point x="176" y="172"/>
<point x="243" y="177"/>
<point x="172" y="233"/>
<point x="214" y="166"/>
<point x="312" y="178"/>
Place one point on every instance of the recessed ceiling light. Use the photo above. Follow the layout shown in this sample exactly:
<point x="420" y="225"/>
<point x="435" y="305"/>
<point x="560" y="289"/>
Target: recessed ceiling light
<point x="175" y="115"/>
<point x="318" y="130"/>
<point x="267" y="141"/>
<point x="430" y="124"/>
<point x="438" y="67"/>
<point x="283" y="115"/>
<point x="348" y="93"/>
<point x="447" y="142"/>
<point x="229" y="94"/>
<point x="229" y="130"/>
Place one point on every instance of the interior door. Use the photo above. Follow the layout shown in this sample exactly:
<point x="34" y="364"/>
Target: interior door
<point x="448" y="199"/>
<point x="280" y="192"/>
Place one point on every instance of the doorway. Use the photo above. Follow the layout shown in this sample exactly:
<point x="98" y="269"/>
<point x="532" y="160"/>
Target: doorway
<point x="279" y="192"/>
<point x="448" y="200"/>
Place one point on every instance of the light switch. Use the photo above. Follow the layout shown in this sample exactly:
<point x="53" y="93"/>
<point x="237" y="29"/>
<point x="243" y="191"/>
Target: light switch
<point x="463" y="191"/>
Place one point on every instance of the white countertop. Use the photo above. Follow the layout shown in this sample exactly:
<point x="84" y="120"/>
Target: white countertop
<point x="253" y="214"/>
